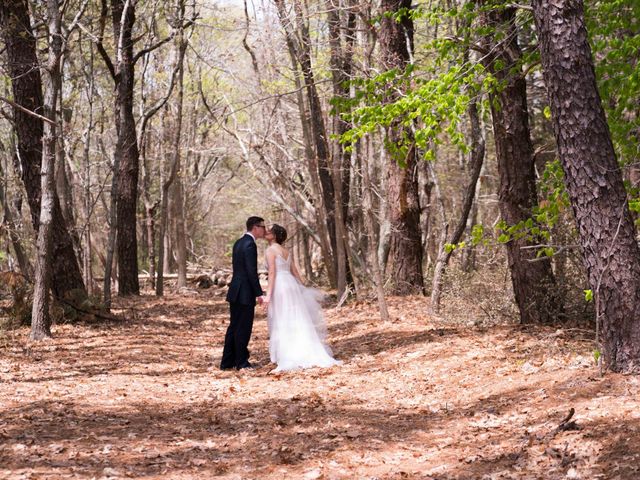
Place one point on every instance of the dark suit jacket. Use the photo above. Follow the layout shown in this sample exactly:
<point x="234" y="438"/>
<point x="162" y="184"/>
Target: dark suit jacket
<point x="245" y="284"/>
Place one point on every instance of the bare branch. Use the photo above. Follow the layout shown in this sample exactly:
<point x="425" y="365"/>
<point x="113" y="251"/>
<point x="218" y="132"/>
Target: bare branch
<point x="27" y="111"/>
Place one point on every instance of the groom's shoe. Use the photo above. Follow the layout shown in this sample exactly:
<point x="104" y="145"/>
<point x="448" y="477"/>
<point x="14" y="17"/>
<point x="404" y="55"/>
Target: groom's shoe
<point x="245" y="365"/>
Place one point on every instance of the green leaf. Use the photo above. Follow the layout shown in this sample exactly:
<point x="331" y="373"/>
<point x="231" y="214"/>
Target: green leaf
<point x="588" y="295"/>
<point x="547" y="112"/>
<point x="596" y="355"/>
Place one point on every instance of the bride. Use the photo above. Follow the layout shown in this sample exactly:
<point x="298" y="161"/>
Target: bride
<point x="297" y="331"/>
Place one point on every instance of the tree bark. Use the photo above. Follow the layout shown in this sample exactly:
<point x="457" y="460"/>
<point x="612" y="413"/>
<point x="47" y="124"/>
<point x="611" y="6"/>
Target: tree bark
<point x="370" y="222"/>
<point x="405" y="254"/>
<point x="126" y="151"/>
<point x="178" y="187"/>
<point x="40" y="318"/>
<point x="533" y="282"/>
<point x="26" y="85"/>
<point x="341" y="68"/>
<point x="593" y="179"/>
<point x="319" y="135"/>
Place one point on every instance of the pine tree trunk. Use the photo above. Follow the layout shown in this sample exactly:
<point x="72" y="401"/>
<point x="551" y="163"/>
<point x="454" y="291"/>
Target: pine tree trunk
<point x="593" y="179"/>
<point x="126" y="151"/>
<point x="532" y="278"/>
<point x="405" y="255"/>
<point x="26" y="84"/>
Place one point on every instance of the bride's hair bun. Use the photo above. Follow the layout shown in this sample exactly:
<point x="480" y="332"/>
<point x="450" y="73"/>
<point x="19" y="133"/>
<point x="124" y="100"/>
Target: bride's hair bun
<point x="279" y="232"/>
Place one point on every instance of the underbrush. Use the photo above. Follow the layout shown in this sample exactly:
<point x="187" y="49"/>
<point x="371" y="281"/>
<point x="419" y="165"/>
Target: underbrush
<point x="484" y="296"/>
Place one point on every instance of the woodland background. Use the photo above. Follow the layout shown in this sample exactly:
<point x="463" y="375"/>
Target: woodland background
<point x="409" y="148"/>
<point x="461" y="177"/>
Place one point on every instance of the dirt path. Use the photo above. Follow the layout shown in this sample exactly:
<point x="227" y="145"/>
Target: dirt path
<point x="415" y="398"/>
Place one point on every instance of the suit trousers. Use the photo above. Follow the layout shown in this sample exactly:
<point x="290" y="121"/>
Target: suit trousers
<point x="236" y="340"/>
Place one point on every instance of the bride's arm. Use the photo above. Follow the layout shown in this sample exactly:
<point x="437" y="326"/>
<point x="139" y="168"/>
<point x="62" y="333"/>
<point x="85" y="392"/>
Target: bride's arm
<point x="271" y="280"/>
<point x="294" y="270"/>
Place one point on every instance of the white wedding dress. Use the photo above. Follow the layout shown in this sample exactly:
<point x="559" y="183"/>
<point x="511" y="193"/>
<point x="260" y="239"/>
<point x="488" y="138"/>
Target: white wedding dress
<point x="297" y="331"/>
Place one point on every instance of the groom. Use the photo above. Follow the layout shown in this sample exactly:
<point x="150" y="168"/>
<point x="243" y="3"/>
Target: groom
<point x="243" y="291"/>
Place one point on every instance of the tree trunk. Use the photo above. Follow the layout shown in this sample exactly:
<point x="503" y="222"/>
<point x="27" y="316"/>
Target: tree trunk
<point x="126" y="151"/>
<point x="9" y="225"/>
<point x="593" y="179"/>
<point x="86" y="160"/>
<point x="405" y="255"/>
<point x="178" y="188"/>
<point x="40" y="318"/>
<point x="341" y="68"/>
<point x="324" y="231"/>
<point x="370" y="221"/>
<point x="474" y="167"/>
<point x="533" y="282"/>
<point x="26" y="84"/>
<point x="319" y="136"/>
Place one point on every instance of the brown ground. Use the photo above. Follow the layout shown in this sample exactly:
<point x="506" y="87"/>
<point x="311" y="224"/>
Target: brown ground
<point x="415" y="398"/>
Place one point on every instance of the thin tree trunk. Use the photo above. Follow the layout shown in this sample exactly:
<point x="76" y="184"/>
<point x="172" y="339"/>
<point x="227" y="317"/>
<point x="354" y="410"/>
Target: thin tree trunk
<point x="7" y="221"/>
<point x="86" y="160"/>
<point x="475" y="166"/>
<point x="370" y="221"/>
<point x="593" y="179"/>
<point x="319" y="134"/>
<point x="164" y="249"/>
<point x="314" y="138"/>
<point x="341" y="66"/>
<point x="40" y="318"/>
<point x="178" y="188"/>
<point x="64" y="187"/>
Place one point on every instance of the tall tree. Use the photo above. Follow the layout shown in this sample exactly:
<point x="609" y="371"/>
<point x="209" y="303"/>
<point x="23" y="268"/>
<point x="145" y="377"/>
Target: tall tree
<point x="341" y="60"/>
<point x="26" y="83"/>
<point x="178" y="187"/>
<point x="593" y="179"/>
<point x="40" y="318"/>
<point x="405" y="255"/>
<point x="126" y="152"/>
<point x="317" y="152"/>
<point x="533" y="281"/>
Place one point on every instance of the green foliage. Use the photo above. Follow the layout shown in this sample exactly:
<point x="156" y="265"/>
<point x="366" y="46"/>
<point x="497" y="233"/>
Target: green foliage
<point x="433" y="107"/>
<point x="554" y="194"/>
<point x="614" y="29"/>
<point x="596" y="355"/>
<point x="432" y="101"/>
<point x="588" y="295"/>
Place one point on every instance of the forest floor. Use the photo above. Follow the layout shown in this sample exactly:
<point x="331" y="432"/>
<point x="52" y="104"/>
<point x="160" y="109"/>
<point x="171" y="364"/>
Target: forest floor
<point x="417" y="397"/>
